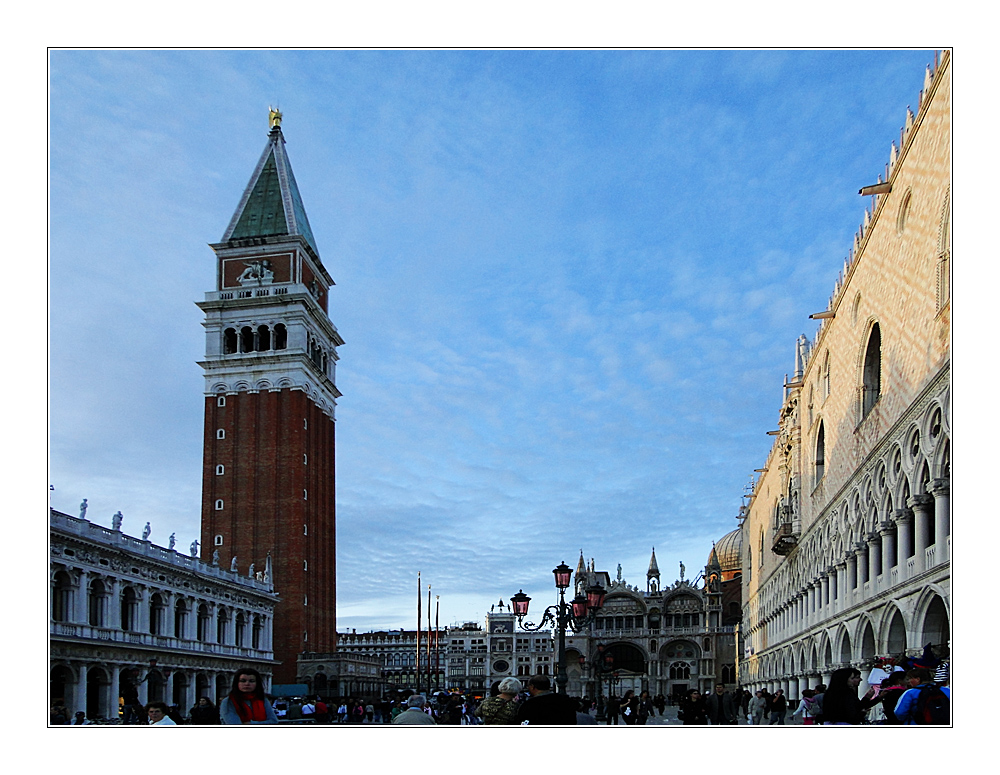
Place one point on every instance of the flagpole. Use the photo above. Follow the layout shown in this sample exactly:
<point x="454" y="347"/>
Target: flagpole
<point x="428" y="639"/>
<point x="437" y="641"/>
<point x="419" y="597"/>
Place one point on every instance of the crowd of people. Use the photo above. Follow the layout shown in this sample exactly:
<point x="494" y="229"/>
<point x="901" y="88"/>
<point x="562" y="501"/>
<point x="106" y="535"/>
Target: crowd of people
<point x="904" y="697"/>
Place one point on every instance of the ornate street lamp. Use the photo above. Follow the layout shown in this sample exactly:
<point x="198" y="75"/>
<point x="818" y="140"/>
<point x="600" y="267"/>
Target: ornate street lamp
<point x="575" y="615"/>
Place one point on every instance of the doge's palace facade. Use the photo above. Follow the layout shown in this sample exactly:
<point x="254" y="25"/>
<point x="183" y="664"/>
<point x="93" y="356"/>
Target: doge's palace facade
<point x="847" y="533"/>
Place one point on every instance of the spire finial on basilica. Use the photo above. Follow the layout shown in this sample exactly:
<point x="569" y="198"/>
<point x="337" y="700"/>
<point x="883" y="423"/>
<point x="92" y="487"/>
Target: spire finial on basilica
<point x="654" y="569"/>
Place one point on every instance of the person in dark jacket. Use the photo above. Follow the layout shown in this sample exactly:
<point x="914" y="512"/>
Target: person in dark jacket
<point x="721" y="707"/>
<point x="204" y="712"/>
<point x="692" y="709"/>
<point x="779" y="707"/>
<point x="840" y="701"/>
<point x="630" y="707"/>
<point x="545" y="707"/>
<point x="890" y="691"/>
<point x="644" y="709"/>
<point x="614" y="709"/>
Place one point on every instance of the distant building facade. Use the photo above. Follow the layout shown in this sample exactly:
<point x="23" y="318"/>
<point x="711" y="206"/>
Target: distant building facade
<point x="661" y="640"/>
<point x="122" y="608"/>
<point x="664" y="640"/>
<point x="847" y="534"/>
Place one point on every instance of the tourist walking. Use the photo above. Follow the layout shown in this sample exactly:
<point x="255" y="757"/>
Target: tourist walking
<point x="924" y="702"/>
<point x="779" y="707"/>
<point x="614" y="708"/>
<point x="807" y="708"/>
<point x="720" y="705"/>
<point x="757" y="707"/>
<point x="630" y="704"/>
<point x="693" y="711"/>
<point x="890" y="691"/>
<point x="246" y="703"/>
<point x="156" y="713"/>
<point x="841" y="705"/>
<point x="414" y="713"/>
<point x="644" y="709"/>
<point x="545" y="707"/>
<point x="502" y="708"/>
<point x="204" y="712"/>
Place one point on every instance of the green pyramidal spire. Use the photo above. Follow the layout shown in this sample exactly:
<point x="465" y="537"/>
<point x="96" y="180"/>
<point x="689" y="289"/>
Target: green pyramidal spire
<point x="271" y="204"/>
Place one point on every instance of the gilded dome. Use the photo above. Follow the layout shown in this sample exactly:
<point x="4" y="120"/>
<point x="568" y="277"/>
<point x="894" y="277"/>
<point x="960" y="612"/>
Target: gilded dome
<point x="729" y="550"/>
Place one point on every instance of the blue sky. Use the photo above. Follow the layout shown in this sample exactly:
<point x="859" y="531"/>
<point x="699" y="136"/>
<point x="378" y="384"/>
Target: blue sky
<point x="569" y="282"/>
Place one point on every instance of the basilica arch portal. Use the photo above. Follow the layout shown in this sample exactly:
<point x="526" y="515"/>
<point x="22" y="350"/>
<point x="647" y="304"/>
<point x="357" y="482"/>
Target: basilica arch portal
<point x="678" y="663"/>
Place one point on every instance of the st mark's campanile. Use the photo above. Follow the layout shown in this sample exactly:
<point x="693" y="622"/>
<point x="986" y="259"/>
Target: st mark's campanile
<point x="268" y="494"/>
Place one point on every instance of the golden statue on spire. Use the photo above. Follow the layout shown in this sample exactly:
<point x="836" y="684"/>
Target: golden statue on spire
<point x="273" y="117"/>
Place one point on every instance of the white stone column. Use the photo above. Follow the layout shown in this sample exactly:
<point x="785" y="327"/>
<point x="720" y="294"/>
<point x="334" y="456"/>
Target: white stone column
<point x="861" y="552"/>
<point x="941" y="489"/>
<point x="142" y="615"/>
<point x="115" y="670"/>
<point x="904" y="529"/>
<point x="874" y="560"/>
<point x="142" y="687"/>
<point x="114" y="618"/>
<point x="887" y="531"/>
<point x="841" y="588"/>
<point x="923" y="522"/>
<point x="79" y="701"/>
<point x="851" y="578"/>
<point x="81" y="612"/>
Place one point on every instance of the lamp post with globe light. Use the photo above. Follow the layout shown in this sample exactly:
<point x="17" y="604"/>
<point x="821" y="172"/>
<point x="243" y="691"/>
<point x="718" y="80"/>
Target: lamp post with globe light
<point x="575" y="615"/>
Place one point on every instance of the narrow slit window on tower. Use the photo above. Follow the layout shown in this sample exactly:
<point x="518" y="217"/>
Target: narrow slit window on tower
<point x="305" y="530"/>
<point x="220" y="434"/>
<point x="305" y="460"/>
<point x="305" y="495"/>
<point x="218" y="505"/>
<point x="220" y="470"/>
<point x="218" y="540"/>
<point x="221" y="401"/>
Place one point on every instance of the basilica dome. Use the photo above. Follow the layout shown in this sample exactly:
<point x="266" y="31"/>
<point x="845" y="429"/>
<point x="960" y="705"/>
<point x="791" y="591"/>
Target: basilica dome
<point x="729" y="550"/>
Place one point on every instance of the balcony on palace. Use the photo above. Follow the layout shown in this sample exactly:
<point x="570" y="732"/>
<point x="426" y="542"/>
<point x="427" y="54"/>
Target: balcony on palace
<point x="784" y="539"/>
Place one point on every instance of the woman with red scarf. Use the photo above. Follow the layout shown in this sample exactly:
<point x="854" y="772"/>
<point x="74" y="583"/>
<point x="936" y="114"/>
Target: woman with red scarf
<point x="246" y="703"/>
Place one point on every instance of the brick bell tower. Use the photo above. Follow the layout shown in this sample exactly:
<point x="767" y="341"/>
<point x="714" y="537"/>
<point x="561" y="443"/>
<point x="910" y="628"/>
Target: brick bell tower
<point x="268" y="486"/>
